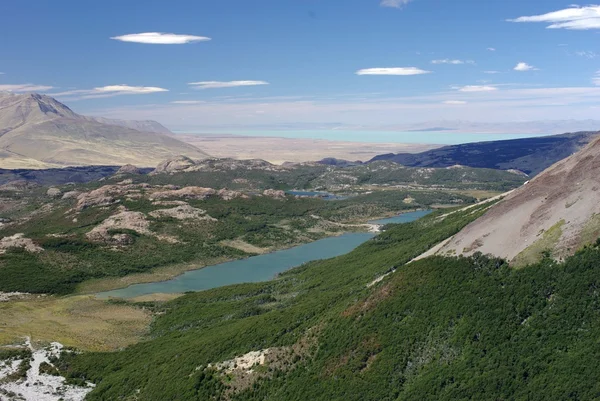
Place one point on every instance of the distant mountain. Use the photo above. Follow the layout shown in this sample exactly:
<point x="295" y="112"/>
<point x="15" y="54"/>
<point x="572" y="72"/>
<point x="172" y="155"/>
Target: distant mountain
<point x="144" y="125"/>
<point x="37" y="131"/>
<point x="529" y="155"/>
<point x="61" y="176"/>
<point x="555" y="214"/>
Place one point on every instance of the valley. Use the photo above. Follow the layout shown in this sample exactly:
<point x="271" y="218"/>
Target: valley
<point x="267" y="277"/>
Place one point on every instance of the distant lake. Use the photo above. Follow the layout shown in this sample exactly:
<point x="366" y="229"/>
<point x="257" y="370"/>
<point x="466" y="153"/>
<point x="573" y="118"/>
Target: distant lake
<point x="322" y="195"/>
<point x="403" y="218"/>
<point x="429" y="137"/>
<point x="256" y="268"/>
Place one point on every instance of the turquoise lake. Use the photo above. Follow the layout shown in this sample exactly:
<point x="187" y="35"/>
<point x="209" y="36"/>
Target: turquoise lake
<point x="257" y="268"/>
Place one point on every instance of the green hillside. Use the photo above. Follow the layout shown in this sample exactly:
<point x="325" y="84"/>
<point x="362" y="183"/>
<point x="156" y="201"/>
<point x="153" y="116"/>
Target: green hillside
<point x="437" y="329"/>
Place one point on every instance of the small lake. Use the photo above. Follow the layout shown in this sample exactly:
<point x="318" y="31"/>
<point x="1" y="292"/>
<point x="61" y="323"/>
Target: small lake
<point x="322" y="195"/>
<point x="403" y="218"/>
<point x="256" y="268"/>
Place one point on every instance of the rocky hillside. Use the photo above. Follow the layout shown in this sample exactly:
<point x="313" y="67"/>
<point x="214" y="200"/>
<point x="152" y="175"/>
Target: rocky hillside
<point x="529" y="155"/>
<point x="260" y="174"/>
<point x="37" y="131"/>
<point x="554" y="214"/>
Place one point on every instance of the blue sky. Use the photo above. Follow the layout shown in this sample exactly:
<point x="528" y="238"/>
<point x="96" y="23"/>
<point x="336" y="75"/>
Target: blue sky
<point x="303" y="62"/>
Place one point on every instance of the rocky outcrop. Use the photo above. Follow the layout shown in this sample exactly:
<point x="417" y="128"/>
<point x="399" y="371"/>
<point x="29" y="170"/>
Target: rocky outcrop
<point x="186" y="193"/>
<point x="175" y="165"/>
<point x="19" y="241"/>
<point x="54" y="192"/>
<point x="183" y="212"/>
<point x="124" y="220"/>
<point x="71" y="195"/>
<point x="18" y="186"/>
<point x="274" y="193"/>
<point x="128" y="169"/>
<point x="227" y="194"/>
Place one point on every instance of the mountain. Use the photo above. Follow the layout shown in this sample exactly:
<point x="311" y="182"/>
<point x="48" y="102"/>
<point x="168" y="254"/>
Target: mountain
<point x="529" y="155"/>
<point x="144" y="125"/>
<point x="37" y="131"/>
<point x="554" y="215"/>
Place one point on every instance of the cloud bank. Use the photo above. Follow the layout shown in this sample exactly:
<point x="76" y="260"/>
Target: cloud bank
<point x="159" y="38"/>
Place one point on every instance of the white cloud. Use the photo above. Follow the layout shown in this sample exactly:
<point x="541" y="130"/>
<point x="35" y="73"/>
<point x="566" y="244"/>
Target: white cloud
<point x="226" y="84"/>
<point x="449" y="61"/>
<point x="492" y="49"/>
<point x="491" y="72"/>
<point x="159" y="38"/>
<point x="524" y="67"/>
<point x="19" y="88"/>
<point x="596" y="78"/>
<point x="392" y="71"/>
<point x="188" y="102"/>
<point x="109" y="91"/>
<point x="587" y="54"/>
<point x="454" y="102"/>
<point x="477" y="88"/>
<point x="394" y="3"/>
<point x="574" y="17"/>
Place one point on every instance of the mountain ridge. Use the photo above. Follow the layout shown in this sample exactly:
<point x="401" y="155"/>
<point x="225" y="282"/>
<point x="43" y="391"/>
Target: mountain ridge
<point x="530" y="155"/>
<point x="37" y="131"/>
<point x="553" y="215"/>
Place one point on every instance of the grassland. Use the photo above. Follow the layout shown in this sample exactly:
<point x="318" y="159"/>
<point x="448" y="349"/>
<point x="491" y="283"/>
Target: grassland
<point x="82" y="322"/>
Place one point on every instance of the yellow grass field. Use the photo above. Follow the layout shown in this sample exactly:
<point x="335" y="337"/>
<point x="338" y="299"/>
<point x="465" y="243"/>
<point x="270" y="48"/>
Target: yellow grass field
<point x="78" y="321"/>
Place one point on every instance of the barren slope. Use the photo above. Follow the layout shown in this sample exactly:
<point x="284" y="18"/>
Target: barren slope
<point x="36" y="131"/>
<point x="557" y="212"/>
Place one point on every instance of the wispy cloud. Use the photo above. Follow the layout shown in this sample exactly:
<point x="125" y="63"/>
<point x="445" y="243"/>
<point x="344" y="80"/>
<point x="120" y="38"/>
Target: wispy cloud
<point x="492" y="72"/>
<point x="394" y="3"/>
<point x="491" y="49"/>
<point x="454" y="102"/>
<point x="392" y="71"/>
<point x="596" y="78"/>
<point x="587" y="54"/>
<point x="160" y="38"/>
<point x="531" y="103"/>
<point x="108" y="91"/>
<point x="524" y="67"/>
<point x="1" y="73"/>
<point x="450" y="61"/>
<point x="477" y="88"/>
<point x="20" y="88"/>
<point x="574" y="17"/>
<point x="188" y="102"/>
<point x="224" y="84"/>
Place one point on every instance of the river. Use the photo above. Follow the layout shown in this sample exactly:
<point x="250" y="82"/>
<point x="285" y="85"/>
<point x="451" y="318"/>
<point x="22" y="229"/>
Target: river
<point x="257" y="268"/>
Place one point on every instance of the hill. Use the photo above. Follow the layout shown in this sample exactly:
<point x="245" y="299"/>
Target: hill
<point x="554" y="214"/>
<point x="37" y="131"/>
<point x="437" y="329"/>
<point x="529" y="155"/>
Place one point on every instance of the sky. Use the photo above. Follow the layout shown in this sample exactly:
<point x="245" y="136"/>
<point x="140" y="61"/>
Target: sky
<point x="199" y="64"/>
